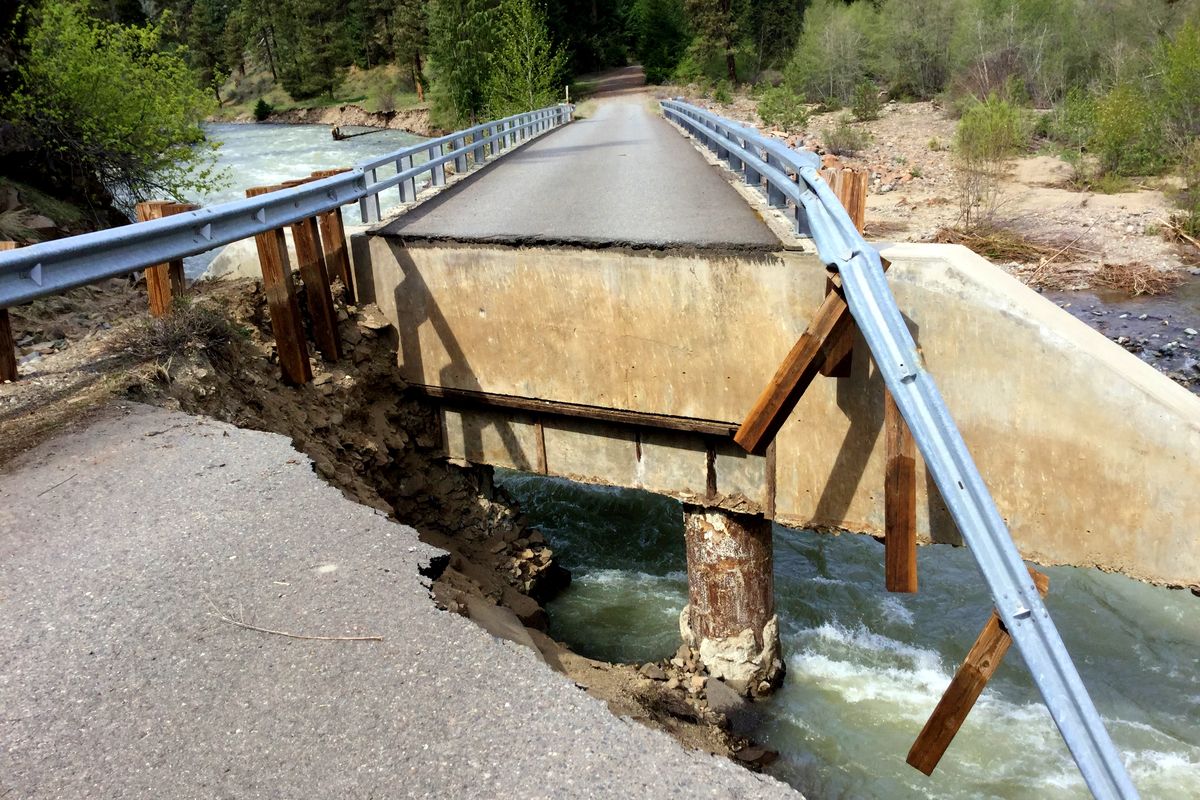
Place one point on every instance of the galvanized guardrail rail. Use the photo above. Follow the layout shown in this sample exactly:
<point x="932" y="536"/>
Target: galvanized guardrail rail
<point x="786" y="176"/>
<point x="53" y="267"/>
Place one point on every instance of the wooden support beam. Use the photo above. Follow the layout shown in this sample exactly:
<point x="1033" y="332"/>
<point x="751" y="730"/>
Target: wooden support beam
<point x="797" y="371"/>
<point x="281" y="298"/>
<point x="317" y="295"/>
<point x="850" y="186"/>
<point x="8" y="347"/>
<point x="333" y="238"/>
<point x="841" y="350"/>
<point x="968" y="683"/>
<point x="164" y="282"/>
<point x="899" y="501"/>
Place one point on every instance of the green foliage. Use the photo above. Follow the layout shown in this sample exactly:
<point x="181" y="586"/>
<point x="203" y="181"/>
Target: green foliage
<point x="460" y="44"/>
<point x="911" y="41"/>
<point x="1072" y="125"/>
<point x="991" y="130"/>
<point x="262" y="110"/>
<point x="1179" y="65"/>
<point x="844" y="139"/>
<point x="722" y="92"/>
<point x="715" y="35"/>
<point x="832" y="56"/>
<point x="866" y="102"/>
<point x="313" y="48"/>
<point x="1128" y="137"/>
<point x="526" y="68"/>
<point x="108" y="101"/>
<point x="659" y="32"/>
<point x="783" y="108"/>
<point x="1188" y="198"/>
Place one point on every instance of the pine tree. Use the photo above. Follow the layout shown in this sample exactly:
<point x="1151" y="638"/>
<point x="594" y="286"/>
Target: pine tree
<point x="460" y="41"/>
<point x="526" y="66"/>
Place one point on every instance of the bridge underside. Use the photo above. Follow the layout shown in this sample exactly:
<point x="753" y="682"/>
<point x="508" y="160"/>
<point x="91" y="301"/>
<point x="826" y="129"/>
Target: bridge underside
<point x="634" y="367"/>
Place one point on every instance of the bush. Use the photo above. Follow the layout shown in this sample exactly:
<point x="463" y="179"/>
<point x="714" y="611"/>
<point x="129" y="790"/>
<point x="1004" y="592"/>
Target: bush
<point x="1072" y="126"/>
<point x="722" y="92"/>
<point x="781" y="107"/>
<point x="990" y="130"/>
<point x="262" y="110"/>
<point x="832" y="55"/>
<point x="1128" y="137"/>
<point x="866" y="102"/>
<point x="845" y="139"/>
<point x="1179" y="66"/>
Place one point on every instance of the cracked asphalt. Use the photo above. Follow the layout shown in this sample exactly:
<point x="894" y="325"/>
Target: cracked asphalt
<point x="122" y="546"/>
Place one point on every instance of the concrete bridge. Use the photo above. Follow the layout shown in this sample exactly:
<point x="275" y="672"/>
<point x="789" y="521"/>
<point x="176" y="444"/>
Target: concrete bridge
<point x="612" y="304"/>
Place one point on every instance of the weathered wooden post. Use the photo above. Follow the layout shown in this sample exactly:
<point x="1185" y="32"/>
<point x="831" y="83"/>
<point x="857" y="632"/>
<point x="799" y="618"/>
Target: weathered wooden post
<point x="899" y="501"/>
<point x="333" y="239"/>
<point x="8" y="347"/>
<point x="163" y="281"/>
<point x="281" y="299"/>
<point x="730" y="616"/>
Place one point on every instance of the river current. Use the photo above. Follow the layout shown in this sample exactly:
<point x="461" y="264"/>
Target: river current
<point x="261" y="155"/>
<point x="865" y="668"/>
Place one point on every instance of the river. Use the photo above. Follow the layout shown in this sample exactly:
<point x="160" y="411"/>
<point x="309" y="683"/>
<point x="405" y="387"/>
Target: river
<point x="260" y="155"/>
<point x="865" y="668"/>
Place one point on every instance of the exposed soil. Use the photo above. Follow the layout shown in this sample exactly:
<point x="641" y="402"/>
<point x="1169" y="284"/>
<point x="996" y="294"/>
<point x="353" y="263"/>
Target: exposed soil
<point x="914" y="190"/>
<point x="368" y="439"/>
<point x="412" y="120"/>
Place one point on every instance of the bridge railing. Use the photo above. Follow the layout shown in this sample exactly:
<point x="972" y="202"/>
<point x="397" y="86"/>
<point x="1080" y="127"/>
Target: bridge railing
<point x="53" y="267"/>
<point x="783" y="174"/>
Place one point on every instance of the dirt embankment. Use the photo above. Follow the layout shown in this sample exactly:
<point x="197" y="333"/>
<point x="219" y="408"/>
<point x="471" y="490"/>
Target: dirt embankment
<point x="365" y="437"/>
<point x="412" y="120"/>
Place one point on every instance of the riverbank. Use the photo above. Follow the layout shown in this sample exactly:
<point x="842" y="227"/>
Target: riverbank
<point x="409" y="120"/>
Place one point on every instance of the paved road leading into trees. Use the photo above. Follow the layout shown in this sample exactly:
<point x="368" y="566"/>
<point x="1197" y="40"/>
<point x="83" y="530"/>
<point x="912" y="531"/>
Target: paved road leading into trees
<point x="120" y="545"/>
<point x="621" y="176"/>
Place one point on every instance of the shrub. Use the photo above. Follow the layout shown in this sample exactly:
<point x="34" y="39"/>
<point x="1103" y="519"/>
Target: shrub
<point x="988" y="133"/>
<point x="845" y="139"/>
<point x="831" y="57"/>
<point x="262" y="110"/>
<point x="1072" y="125"/>
<point x="722" y="92"/>
<point x="866" y="102"/>
<point x="1179" y="66"/>
<point x="1188" y="199"/>
<point x="190" y="329"/>
<point x="782" y="107"/>
<point x="1128" y="137"/>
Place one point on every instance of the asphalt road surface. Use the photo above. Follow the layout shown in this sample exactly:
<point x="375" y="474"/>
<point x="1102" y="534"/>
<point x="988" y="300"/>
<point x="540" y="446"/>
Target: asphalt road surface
<point x="123" y="544"/>
<point x="621" y="177"/>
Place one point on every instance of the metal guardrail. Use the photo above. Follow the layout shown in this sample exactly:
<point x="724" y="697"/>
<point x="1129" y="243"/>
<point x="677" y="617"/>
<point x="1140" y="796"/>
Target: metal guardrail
<point x="53" y="267"/>
<point x="780" y="172"/>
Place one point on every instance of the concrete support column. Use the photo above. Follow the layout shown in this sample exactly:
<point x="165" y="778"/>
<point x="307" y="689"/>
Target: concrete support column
<point x="730" y="616"/>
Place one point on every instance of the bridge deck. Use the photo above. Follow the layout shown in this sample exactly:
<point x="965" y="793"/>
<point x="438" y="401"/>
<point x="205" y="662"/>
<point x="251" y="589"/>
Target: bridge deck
<point x="622" y="176"/>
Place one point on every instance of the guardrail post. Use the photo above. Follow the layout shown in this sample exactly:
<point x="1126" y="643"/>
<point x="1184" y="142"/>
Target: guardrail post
<point x="850" y="186"/>
<point x="478" y="152"/>
<point x="437" y="172"/>
<point x="333" y="241"/>
<point x="163" y="281"/>
<point x="508" y="136"/>
<point x="899" y="501"/>
<point x="317" y="294"/>
<point x="460" y="160"/>
<point x="286" y="324"/>
<point x="8" y="347"/>
<point x="368" y="206"/>
<point x="408" y="188"/>
<point x="775" y="198"/>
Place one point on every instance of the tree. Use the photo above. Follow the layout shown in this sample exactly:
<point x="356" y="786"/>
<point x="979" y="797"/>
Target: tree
<point x="716" y="32"/>
<point x="659" y="32"/>
<point x="410" y="39"/>
<point x="526" y="67"/>
<point x="115" y="116"/>
<point x="312" y="48"/>
<point x="206" y="44"/>
<point x="460" y="41"/>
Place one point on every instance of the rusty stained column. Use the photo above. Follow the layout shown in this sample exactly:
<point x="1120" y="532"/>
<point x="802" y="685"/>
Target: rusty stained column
<point x="730" y="616"/>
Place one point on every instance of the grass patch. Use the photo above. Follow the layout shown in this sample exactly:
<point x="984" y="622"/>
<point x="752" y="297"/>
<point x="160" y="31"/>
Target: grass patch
<point x="13" y="227"/>
<point x="60" y="211"/>
<point x="190" y="329"/>
<point x="380" y="89"/>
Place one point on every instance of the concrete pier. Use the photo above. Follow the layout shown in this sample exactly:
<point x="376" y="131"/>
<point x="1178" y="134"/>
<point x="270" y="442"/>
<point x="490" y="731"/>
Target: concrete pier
<point x="730" y="616"/>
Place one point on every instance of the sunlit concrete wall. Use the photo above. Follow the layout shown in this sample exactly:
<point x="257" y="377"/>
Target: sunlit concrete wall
<point x="1092" y="456"/>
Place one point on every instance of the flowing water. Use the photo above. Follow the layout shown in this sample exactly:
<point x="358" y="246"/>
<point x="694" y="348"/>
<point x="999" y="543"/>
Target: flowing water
<point x="865" y="668"/>
<point x="260" y="155"/>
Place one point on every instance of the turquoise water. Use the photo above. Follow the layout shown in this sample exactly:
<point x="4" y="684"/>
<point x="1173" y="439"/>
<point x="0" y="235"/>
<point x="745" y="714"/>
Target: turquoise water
<point x="865" y="668"/>
<point x="261" y="155"/>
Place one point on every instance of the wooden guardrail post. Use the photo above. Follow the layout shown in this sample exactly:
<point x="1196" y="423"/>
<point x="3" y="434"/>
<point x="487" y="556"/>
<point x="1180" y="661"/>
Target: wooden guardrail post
<point x="281" y="299"/>
<point x="899" y="500"/>
<point x="850" y="186"/>
<point x="8" y="347"/>
<point x="333" y="239"/>
<point x="163" y="281"/>
<point x="968" y="683"/>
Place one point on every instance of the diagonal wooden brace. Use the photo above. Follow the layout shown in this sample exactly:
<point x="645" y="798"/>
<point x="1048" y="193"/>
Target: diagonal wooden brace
<point x="977" y="669"/>
<point x="828" y="339"/>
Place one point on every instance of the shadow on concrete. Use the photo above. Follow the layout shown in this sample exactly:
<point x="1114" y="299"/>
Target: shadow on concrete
<point x="412" y="293"/>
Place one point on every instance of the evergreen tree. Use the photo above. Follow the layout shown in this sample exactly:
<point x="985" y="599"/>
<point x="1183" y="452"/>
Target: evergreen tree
<point x="716" y="32"/>
<point x="460" y="41"/>
<point x="313" y="48"/>
<point x="526" y="67"/>
<point x="658" y="29"/>
<point x="410" y="40"/>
